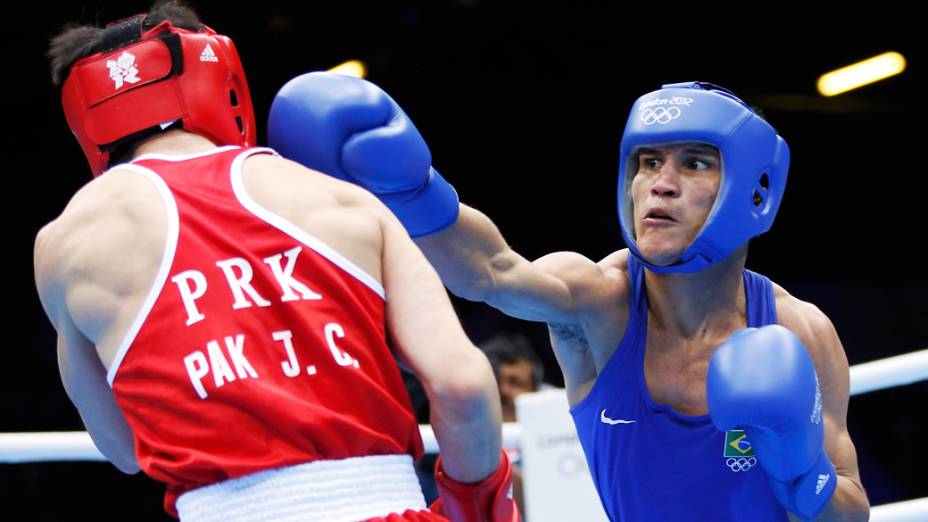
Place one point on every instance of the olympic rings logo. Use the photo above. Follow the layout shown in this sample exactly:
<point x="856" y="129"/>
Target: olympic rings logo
<point x="661" y="115"/>
<point x="741" y="464"/>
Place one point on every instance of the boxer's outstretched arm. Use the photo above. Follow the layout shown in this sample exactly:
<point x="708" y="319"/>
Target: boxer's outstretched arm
<point x="428" y="338"/>
<point x="350" y="129"/>
<point x="476" y="263"/>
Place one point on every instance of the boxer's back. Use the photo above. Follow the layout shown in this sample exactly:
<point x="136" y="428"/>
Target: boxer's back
<point x="233" y="315"/>
<point x="110" y="239"/>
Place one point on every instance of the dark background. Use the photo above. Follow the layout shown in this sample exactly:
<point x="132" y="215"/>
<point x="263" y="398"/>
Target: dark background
<point x="523" y="105"/>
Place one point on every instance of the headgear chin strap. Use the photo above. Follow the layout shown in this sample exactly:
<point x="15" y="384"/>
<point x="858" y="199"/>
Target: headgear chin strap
<point x="755" y="161"/>
<point x="140" y="81"/>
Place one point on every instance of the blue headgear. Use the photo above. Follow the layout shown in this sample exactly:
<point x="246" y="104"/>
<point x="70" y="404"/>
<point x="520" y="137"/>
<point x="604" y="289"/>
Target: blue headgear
<point x="755" y="161"/>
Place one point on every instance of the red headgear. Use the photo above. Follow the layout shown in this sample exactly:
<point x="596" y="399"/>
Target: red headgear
<point x="140" y="81"/>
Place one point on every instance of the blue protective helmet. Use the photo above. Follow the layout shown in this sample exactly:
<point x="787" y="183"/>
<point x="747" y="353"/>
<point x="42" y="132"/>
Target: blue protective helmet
<point x="755" y="161"/>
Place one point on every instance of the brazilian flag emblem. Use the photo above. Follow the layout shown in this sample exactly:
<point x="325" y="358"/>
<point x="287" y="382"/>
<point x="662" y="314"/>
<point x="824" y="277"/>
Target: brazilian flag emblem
<point x="737" y="444"/>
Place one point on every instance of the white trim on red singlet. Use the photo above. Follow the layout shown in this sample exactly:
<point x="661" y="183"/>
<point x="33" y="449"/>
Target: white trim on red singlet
<point x="167" y="259"/>
<point x="183" y="157"/>
<point x="321" y="248"/>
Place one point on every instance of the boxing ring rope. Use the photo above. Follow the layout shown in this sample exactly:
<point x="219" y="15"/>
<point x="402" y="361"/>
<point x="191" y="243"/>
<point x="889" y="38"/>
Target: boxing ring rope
<point x="890" y="372"/>
<point x="866" y="377"/>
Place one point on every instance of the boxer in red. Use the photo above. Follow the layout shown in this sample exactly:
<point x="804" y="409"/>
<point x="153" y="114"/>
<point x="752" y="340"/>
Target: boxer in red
<point x="223" y="314"/>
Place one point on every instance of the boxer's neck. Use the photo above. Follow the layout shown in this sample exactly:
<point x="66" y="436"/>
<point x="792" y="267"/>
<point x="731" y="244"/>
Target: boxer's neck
<point x="702" y="303"/>
<point x="173" y="143"/>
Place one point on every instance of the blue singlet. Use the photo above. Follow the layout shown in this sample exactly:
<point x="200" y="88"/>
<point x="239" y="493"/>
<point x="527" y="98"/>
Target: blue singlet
<point x="650" y="462"/>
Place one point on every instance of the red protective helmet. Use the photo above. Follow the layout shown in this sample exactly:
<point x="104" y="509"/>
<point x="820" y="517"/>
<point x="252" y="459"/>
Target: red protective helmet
<point x="141" y="81"/>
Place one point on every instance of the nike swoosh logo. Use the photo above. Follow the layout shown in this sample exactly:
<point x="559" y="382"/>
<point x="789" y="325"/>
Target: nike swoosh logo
<point x="612" y="422"/>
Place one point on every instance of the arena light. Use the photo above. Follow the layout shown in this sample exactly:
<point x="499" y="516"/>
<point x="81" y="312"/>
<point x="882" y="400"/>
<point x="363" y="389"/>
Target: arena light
<point x="861" y="73"/>
<point x="355" y="68"/>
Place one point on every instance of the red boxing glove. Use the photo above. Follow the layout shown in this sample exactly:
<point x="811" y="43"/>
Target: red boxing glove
<point x="489" y="500"/>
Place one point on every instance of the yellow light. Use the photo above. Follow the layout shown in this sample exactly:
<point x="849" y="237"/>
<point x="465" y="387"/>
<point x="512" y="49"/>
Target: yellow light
<point x="354" y="68"/>
<point x="861" y="73"/>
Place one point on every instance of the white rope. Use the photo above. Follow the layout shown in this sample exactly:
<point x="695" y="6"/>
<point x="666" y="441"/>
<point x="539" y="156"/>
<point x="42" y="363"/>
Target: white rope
<point x="512" y="436"/>
<point x="908" y="511"/>
<point x="887" y="373"/>
<point x="47" y="447"/>
<point x="76" y="445"/>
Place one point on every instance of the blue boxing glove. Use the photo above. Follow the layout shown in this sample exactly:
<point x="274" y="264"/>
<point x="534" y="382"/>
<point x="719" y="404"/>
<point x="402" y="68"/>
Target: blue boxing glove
<point x="763" y="381"/>
<point x="349" y="128"/>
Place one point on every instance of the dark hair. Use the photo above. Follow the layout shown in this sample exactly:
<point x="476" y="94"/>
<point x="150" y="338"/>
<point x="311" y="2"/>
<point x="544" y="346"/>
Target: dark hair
<point x="510" y="348"/>
<point x="76" y="41"/>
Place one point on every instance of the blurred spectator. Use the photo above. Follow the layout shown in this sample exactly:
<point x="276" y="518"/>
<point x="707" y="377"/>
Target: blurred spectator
<point x="518" y="370"/>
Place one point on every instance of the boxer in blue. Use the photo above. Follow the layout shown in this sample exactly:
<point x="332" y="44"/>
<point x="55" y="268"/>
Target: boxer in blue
<point x="700" y="390"/>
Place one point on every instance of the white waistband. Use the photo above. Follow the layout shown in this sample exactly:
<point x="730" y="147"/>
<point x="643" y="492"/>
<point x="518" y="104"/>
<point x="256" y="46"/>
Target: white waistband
<point x="351" y="489"/>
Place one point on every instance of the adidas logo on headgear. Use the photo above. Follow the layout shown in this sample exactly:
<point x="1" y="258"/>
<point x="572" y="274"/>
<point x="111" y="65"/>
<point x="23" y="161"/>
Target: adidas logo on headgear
<point x="208" y="55"/>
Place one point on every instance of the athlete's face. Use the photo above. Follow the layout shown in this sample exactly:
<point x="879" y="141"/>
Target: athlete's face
<point x="514" y="380"/>
<point x="673" y="192"/>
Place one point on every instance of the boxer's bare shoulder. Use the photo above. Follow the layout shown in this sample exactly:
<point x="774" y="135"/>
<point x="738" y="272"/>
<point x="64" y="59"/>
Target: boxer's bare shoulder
<point x="98" y="259"/>
<point x="820" y="338"/>
<point x="584" y="347"/>
<point x="616" y="265"/>
<point x="808" y="322"/>
<point x="344" y="216"/>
